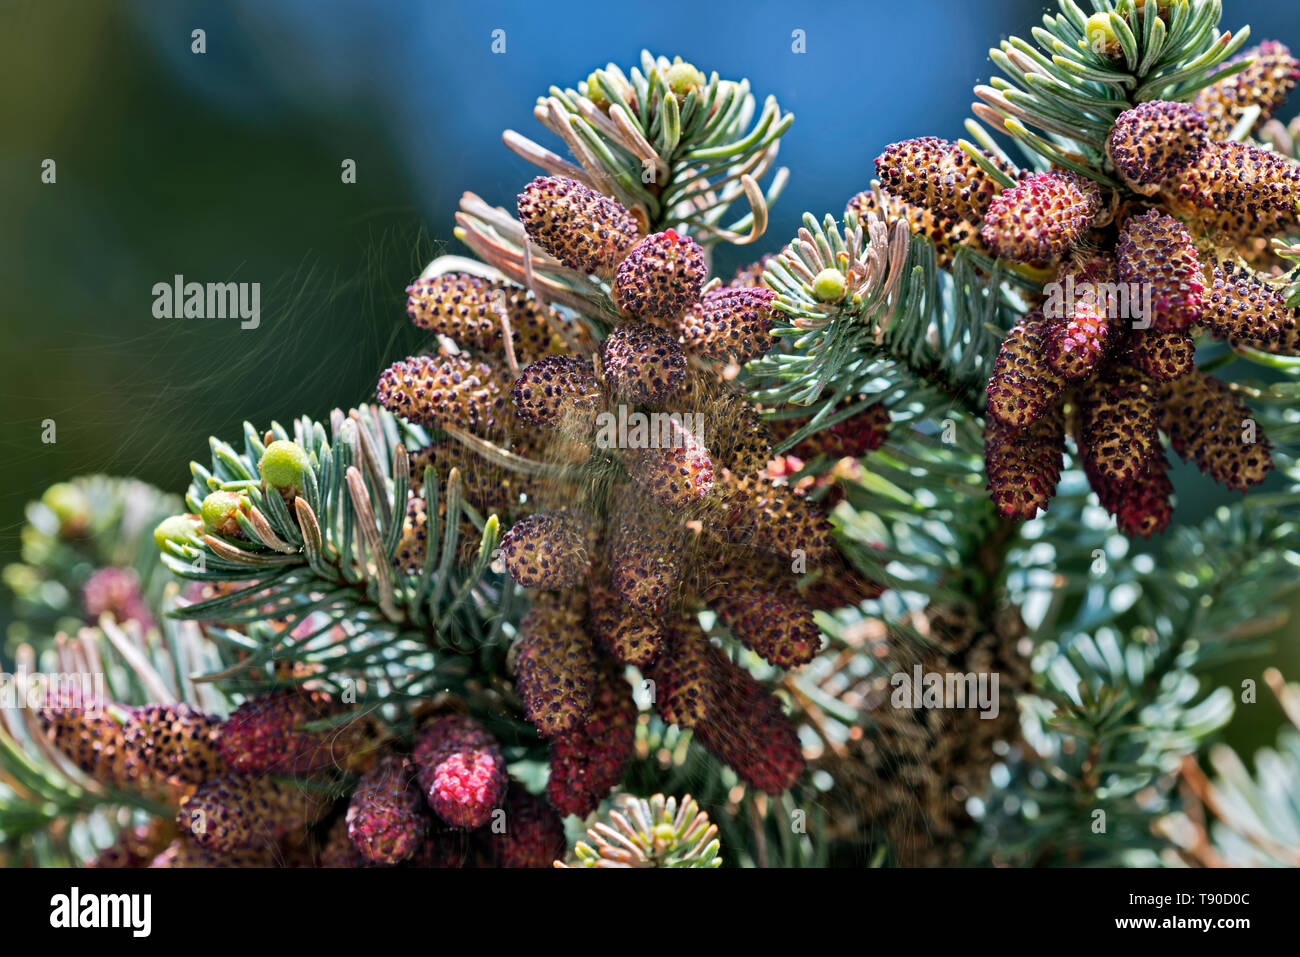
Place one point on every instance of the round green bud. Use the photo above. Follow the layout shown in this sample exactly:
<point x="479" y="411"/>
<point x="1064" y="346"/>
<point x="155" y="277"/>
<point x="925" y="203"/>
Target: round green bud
<point x="283" y="464"/>
<point x="180" y="529"/>
<point x="67" y="502"/>
<point x="681" y="78"/>
<point x="596" y="93"/>
<point x="1099" y="36"/>
<point x="220" y="511"/>
<point x="829" y="285"/>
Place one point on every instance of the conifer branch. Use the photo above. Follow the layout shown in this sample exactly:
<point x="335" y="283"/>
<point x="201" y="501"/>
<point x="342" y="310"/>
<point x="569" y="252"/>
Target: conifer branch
<point x="345" y="597"/>
<point x="1059" y="96"/>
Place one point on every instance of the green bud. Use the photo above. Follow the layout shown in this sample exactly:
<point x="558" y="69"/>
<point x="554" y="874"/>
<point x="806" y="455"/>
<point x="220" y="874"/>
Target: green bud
<point x="681" y="78"/>
<point x="69" y="505"/>
<point x="181" y="529"/>
<point x="220" y="511"/>
<point x="283" y="464"/>
<point x="829" y="285"/>
<point x="1099" y="36"/>
<point x="596" y="93"/>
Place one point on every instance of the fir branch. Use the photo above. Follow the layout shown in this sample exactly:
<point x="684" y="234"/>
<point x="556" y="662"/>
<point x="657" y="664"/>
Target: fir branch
<point x="659" y="832"/>
<point x="665" y="140"/>
<point x="933" y="339"/>
<point x="676" y="149"/>
<point x="1256" y="820"/>
<point x="51" y="814"/>
<point x="326" y="585"/>
<point x="1059" y="96"/>
<point x="90" y="525"/>
<point x="1121" y="703"/>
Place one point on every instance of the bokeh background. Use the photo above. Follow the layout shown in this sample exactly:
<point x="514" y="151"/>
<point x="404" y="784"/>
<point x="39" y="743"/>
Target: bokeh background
<point x="225" y="166"/>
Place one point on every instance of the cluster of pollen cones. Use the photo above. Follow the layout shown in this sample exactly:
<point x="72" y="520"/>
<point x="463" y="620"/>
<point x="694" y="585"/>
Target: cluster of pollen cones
<point x="255" y="789"/>
<point x="658" y="494"/>
<point x="1106" y="354"/>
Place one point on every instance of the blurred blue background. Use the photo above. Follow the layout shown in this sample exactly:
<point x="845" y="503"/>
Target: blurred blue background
<point x="225" y="166"/>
